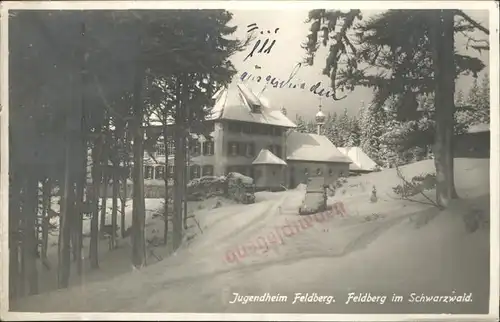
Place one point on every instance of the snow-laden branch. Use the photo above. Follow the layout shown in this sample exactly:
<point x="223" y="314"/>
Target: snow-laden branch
<point x="472" y="21"/>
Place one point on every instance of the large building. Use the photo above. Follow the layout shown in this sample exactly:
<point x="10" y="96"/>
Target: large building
<point x="252" y="138"/>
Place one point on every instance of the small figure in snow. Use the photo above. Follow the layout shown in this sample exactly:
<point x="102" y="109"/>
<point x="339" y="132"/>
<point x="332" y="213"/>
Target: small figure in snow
<point x="373" y="197"/>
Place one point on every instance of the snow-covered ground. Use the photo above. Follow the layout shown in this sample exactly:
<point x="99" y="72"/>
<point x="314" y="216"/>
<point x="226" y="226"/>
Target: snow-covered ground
<point x="385" y="248"/>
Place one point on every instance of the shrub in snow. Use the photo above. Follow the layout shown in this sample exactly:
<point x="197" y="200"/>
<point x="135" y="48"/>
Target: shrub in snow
<point x="206" y="187"/>
<point x="234" y="186"/>
<point x="417" y="185"/>
<point x="240" y="188"/>
<point x="218" y="204"/>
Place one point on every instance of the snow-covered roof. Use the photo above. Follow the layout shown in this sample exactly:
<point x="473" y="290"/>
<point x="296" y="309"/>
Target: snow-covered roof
<point x="478" y="128"/>
<point x="360" y="161"/>
<point x="235" y="103"/>
<point x="267" y="157"/>
<point x="312" y="147"/>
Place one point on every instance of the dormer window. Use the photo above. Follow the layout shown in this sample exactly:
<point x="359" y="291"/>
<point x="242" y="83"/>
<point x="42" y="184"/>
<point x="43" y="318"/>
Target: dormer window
<point x="255" y="108"/>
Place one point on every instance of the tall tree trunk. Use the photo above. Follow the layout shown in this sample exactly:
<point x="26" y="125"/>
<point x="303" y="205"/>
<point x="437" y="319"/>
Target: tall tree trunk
<point x="22" y="239"/>
<point x="138" y="208"/>
<point x="179" y="166"/>
<point x="123" y="205"/>
<point x="94" y="194"/>
<point x="30" y="241"/>
<point x="14" y="236"/>
<point x="124" y="173"/>
<point x="80" y="202"/>
<point x="104" y="203"/>
<point x="82" y="155"/>
<point x="165" y="179"/>
<point x="66" y="220"/>
<point x="114" y="212"/>
<point x="185" y="183"/>
<point x="444" y="71"/>
<point x="105" y="152"/>
<point x="46" y="206"/>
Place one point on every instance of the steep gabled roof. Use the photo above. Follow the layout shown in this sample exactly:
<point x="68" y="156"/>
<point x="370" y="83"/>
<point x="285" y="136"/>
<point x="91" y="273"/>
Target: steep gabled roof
<point x="360" y="161"/>
<point x="267" y="157"/>
<point x="312" y="147"/>
<point x="235" y="103"/>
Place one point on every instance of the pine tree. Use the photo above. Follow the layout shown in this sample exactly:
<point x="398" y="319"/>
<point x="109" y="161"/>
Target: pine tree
<point x="372" y="128"/>
<point x="328" y="128"/>
<point x="331" y="129"/>
<point x="464" y="116"/>
<point x="484" y="101"/>
<point x="474" y="101"/>
<point x="301" y="124"/>
<point x="355" y="133"/>
<point x="344" y="129"/>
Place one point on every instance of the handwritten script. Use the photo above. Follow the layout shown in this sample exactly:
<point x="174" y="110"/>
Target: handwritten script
<point x="251" y="28"/>
<point x="276" y="82"/>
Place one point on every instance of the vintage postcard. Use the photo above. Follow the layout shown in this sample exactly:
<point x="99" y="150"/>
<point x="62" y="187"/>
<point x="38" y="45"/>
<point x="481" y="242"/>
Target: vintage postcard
<point x="249" y="160"/>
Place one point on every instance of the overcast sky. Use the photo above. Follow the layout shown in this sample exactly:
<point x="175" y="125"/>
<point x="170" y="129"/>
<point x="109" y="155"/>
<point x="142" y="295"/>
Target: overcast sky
<point x="287" y="52"/>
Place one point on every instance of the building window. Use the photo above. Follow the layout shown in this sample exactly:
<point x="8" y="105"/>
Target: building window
<point x="170" y="148"/>
<point x="170" y="170"/>
<point x="250" y="149"/>
<point x="246" y="128"/>
<point x="277" y="150"/>
<point x="255" y="108"/>
<point x="331" y="171"/>
<point x="318" y="171"/>
<point x="306" y="171"/>
<point x="148" y="172"/>
<point x="208" y="170"/>
<point x="194" y="172"/>
<point x="263" y="130"/>
<point x="195" y="148"/>
<point x="233" y="148"/>
<point x="208" y="148"/>
<point x="242" y="149"/>
<point x="234" y="127"/>
<point x="160" y="149"/>
<point x="159" y="172"/>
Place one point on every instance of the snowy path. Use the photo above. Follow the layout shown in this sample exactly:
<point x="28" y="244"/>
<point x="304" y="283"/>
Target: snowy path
<point x="320" y="259"/>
